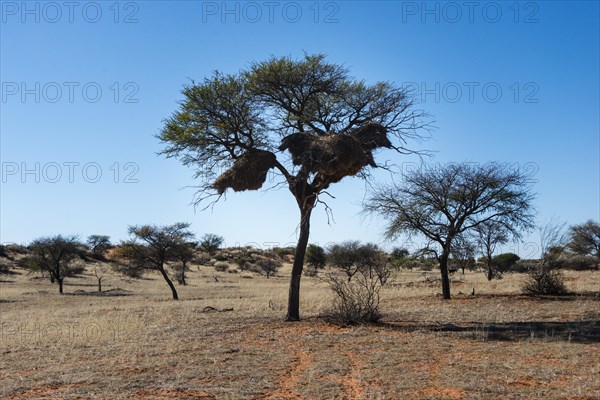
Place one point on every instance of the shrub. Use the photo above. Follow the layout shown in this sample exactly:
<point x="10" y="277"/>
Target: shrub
<point x="356" y="301"/>
<point x="5" y="266"/>
<point x="267" y="267"/>
<point x="221" y="266"/>
<point x="315" y="259"/>
<point x="577" y="262"/>
<point x="3" y="251"/>
<point x="130" y="270"/>
<point x="504" y="262"/>
<point x="282" y="252"/>
<point x="545" y="280"/>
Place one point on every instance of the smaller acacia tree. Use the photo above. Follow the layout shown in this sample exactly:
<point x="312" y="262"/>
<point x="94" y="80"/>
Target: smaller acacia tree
<point x="54" y="254"/>
<point x="210" y="243"/>
<point x="585" y="239"/>
<point x="184" y="253"/>
<point x="315" y="259"/>
<point x="489" y="235"/>
<point x="98" y="244"/>
<point x="443" y="203"/>
<point x="151" y="247"/>
<point x="463" y="252"/>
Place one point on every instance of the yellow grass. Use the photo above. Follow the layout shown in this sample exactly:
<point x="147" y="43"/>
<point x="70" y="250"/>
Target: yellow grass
<point x="140" y="344"/>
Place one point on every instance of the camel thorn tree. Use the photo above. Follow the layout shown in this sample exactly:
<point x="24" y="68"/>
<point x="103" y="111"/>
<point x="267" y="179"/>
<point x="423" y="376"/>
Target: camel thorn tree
<point x="306" y="119"/>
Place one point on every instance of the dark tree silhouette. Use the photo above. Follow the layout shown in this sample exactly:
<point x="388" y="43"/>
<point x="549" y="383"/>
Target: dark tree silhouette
<point x="210" y="243"/>
<point x="152" y="246"/>
<point x="442" y="203"/>
<point x="329" y="123"/>
<point x="54" y="255"/>
<point x="98" y="243"/>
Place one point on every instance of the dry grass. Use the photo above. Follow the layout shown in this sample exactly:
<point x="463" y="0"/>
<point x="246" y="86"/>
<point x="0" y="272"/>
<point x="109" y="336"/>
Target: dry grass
<point x="133" y="342"/>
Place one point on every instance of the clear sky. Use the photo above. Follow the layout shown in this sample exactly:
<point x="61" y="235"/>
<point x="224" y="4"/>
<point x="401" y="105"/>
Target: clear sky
<point x="87" y="85"/>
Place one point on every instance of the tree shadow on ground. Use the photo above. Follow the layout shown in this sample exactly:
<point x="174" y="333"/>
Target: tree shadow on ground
<point x="105" y="293"/>
<point x="585" y="331"/>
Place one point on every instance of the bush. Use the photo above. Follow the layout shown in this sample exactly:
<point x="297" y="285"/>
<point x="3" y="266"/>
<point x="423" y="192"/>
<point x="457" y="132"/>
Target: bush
<point x="129" y="270"/>
<point x="221" y="266"/>
<point x="282" y="252"/>
<point x="578" y="262"/>
<point x="267" y="267"/>
<point x="5" y="266"/>
<point x="545" y="280"/>
<point x="315" y="259"/>
<point x="356" y="301"/>
<point x="504" y="262"/>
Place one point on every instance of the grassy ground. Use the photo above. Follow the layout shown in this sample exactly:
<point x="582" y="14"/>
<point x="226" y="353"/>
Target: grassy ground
<point x="134" y="342"/>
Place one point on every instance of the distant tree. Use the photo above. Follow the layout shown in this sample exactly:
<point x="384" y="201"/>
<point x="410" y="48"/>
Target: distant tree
<point x="315" y="257"/>
<point x="345" y="257"/>
<point x="505" y="261"/>
<point x="442" y="203"/>
<point x="350" y="257"/>
<point x="98" y="244"/>
<point x="267" y="267"/>
<point x="489" y="234"/>
<point x="585" y="238"/>
<point x="210" y="243"/>
<point x="463" y="252"/>
<point x="330" y="123"/>
<point x="100" y="274"/>
<point x="151" y="247"/>
<point x="184" y="253"/>
<point x="55" y="254"/>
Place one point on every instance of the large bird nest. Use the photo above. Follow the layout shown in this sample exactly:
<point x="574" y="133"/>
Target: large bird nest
<point x="332" y="156"/>
<point x="336" y="156"/>
<point x="248" y="172"/>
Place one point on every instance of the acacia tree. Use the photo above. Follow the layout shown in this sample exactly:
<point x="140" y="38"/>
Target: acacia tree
<point x="489" y="235"/>
<point x="98" y="243"/>
<point x="54" y="255"/>
<point x="585" y="238"/>
<point x="210" y="243"/>
<point x="153" y="246"/>
<point x="329" y="124"/>
<point x="184" y="253"/>
<point x="442" y="203"/>
<point x="463" y="252"/>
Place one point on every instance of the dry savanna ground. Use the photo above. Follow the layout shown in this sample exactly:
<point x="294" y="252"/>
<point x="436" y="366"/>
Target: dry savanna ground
<point x="226" y="339"/>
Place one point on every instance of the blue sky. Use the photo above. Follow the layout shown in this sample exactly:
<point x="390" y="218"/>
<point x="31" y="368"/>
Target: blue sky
<point x="85" y="89"/>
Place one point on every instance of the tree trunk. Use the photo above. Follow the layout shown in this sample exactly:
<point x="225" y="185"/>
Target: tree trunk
<point x="490" y="272"/>
<point x="60" y="285"/>
<point x="444" y="272"/>
<point x="173" y="290"/>
<point x="293" y="313"/>
<point x="99" y="285"/>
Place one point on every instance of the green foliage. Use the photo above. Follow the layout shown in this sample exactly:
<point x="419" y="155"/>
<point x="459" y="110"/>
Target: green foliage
<point x="585" y="239"/>
<point x="315" y="256"/>
<point x="505" y="261"/>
